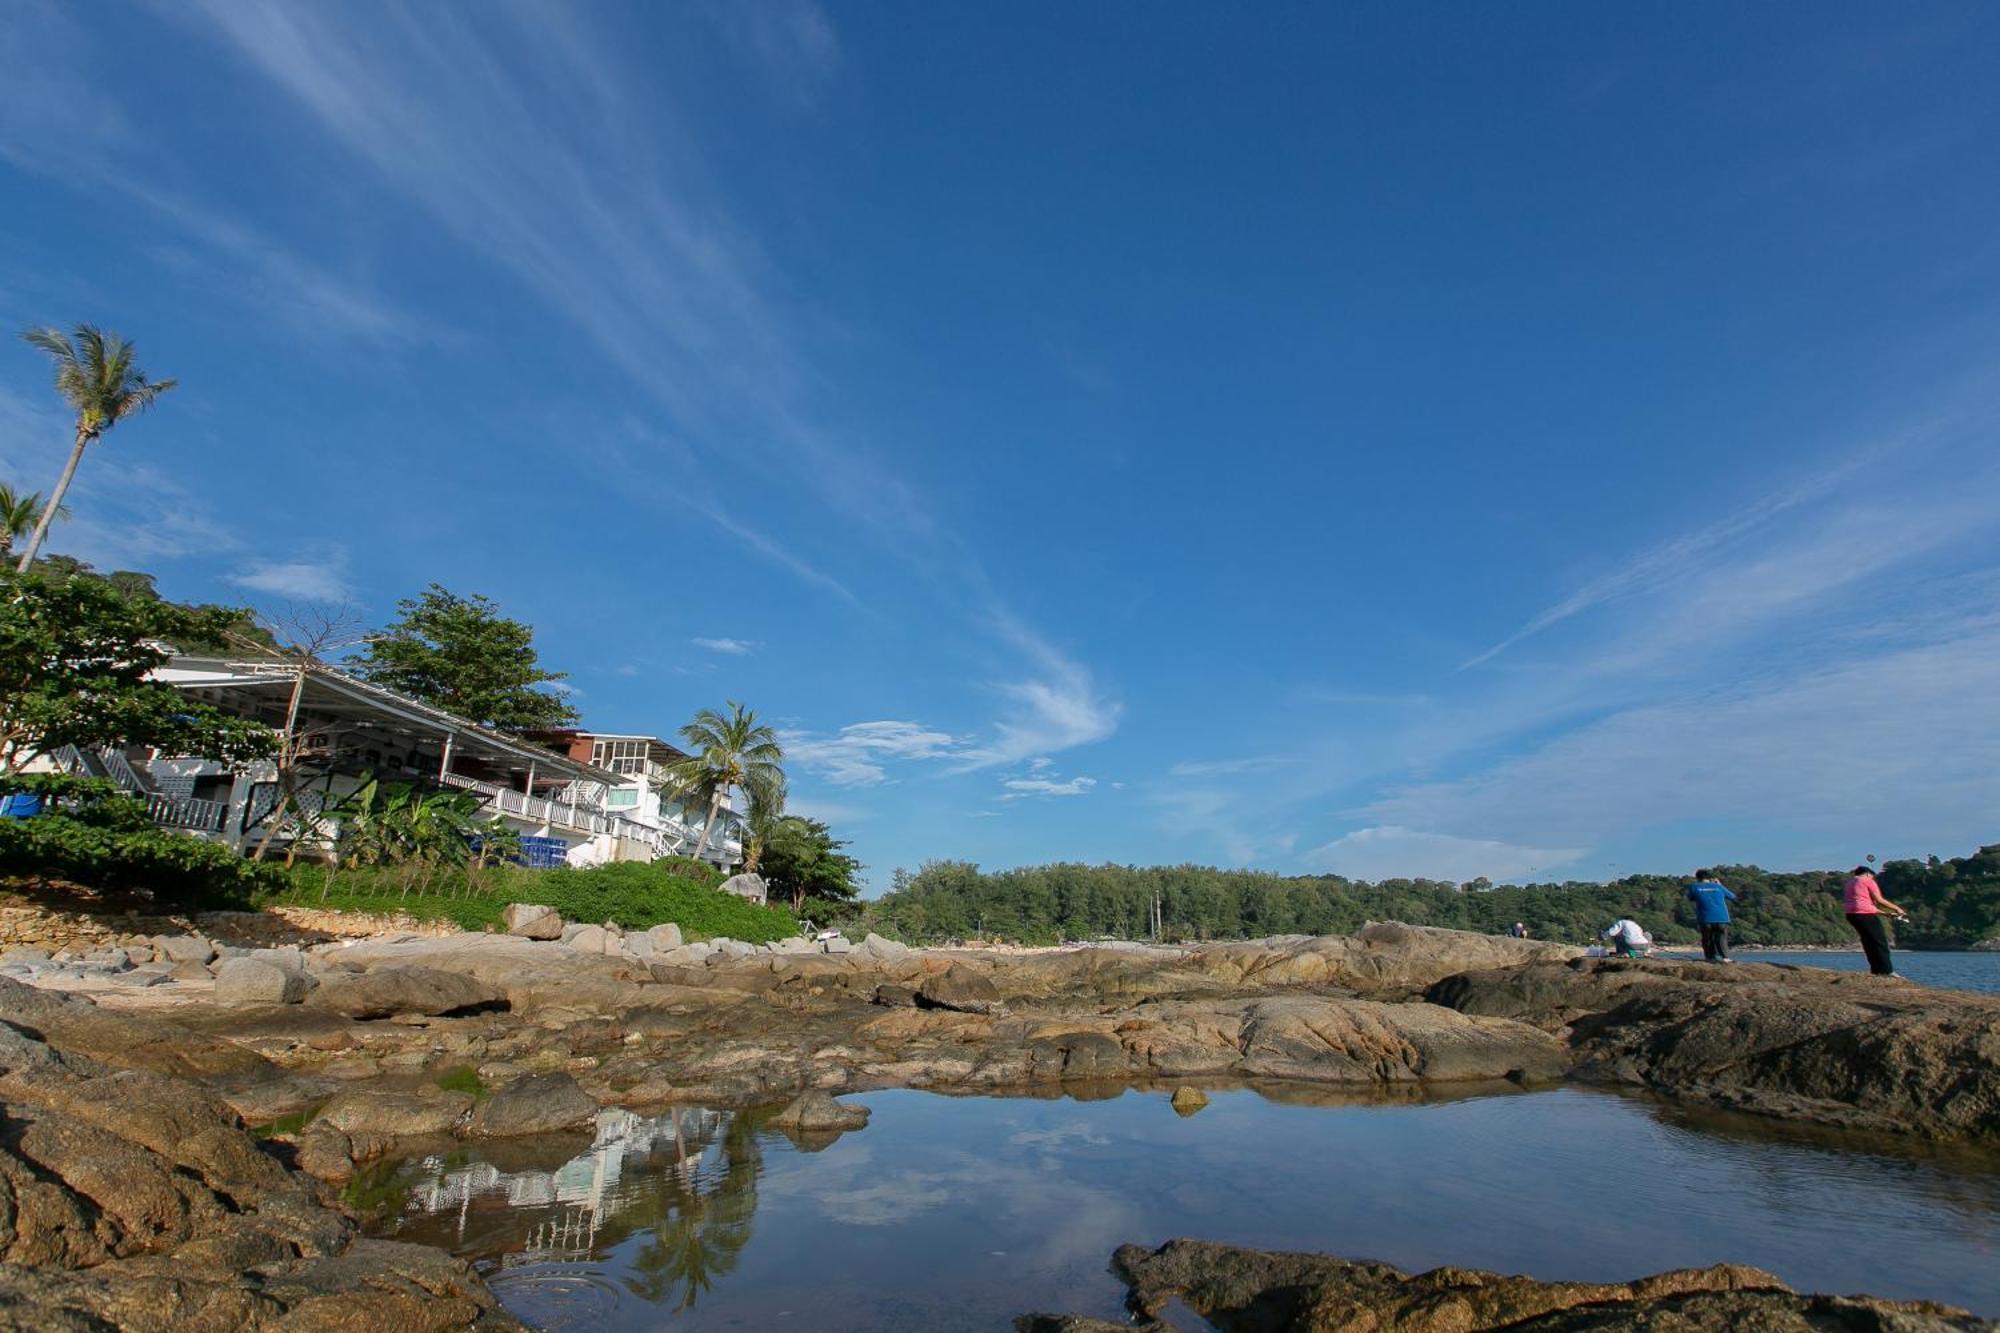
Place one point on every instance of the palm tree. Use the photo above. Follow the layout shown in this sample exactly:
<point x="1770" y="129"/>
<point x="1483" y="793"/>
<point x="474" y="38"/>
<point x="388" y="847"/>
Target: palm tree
<point x="96" y="377"/>
<point x="19" y="513"/>
<point x="728" y="752"/>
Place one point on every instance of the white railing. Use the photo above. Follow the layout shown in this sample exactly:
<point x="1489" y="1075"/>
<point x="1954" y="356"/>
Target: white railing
<point x="187" y="812"/>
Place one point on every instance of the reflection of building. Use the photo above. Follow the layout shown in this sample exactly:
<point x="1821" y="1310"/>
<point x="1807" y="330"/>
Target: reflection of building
<point x="681" y="1187"/>
<point x="584" y="1192"/>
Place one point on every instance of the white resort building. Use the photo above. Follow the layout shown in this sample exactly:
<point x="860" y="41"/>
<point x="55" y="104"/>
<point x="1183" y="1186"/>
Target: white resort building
<point x="576" y="799"/>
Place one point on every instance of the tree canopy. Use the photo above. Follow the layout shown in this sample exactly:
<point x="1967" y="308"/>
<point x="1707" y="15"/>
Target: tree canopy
<point x="727" y="752"/>
<point x="462" y="655"/>
<point x="1951" y="903"/>
<point x="803" y="861"/>
<point x="75" y="654"/>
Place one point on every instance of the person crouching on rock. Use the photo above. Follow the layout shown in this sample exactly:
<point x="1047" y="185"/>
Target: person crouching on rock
<point x="1628" y="939"/>
<point x="1711" y="913"/>
<point x="1865" y="904"/>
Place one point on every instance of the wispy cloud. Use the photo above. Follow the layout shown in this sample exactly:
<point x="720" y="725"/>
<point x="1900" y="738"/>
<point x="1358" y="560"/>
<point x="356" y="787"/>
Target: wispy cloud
<point x="1206" y="768"/>
<point x="855" y="756"/>
<point x="1023" y="788"/>
<point x="1058" y="707"/>
<point x="299" y="580"/>
<point x="732" y="647"/>
<point x="1390" y="852"/>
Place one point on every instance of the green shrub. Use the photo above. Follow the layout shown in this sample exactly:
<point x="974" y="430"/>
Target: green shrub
<point x="92" y="835"/>
<point x="464" y="1078"/>
<point x="634" y="895"/>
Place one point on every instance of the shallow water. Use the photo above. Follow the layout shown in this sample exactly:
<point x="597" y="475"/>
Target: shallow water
<point x="963" y="1212"/>
<point x="1952" y="971"/>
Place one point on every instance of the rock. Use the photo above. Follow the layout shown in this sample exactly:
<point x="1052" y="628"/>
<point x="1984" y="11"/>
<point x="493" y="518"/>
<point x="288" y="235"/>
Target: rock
<point x="139" y="954"/>
<point x="837" y="945"/>
<point x="1187" y="1101"/>
<point x="1308" y="1293"/>
<point x="532" y="921"/>
<point x="251" y="981"/>
<point x="571" y="929"/>
<point x="961" y="989"/>
<point x="880" y="947"/>
<point x="184" y="948"/>
<point x="665" y="936"/>
<point x="637" y="945"/>
<point x="688" y="955"/>
<point x="733" y="948"/>
<point x="751" y="887"/>
<point x="538" y="1104"/>
<point x="593" y="939"/>
<point x="391" y="1114"/>
<point x="817" y="1110"/>
<point x="892" y="996"/>
<point x="290" y="957"/>
<point x="406" y="990"/>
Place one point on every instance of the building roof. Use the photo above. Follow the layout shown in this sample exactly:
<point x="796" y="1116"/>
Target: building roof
<point x="330" y="691"/>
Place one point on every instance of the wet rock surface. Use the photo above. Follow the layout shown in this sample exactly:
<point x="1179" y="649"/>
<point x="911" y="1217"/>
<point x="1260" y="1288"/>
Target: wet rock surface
<point x="134" y="1199"/>
<point x="1271" y="1292"/>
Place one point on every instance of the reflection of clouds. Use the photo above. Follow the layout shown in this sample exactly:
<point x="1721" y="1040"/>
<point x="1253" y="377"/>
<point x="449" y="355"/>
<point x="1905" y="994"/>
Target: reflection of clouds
<point x="1055" y="1136"/>
<point x="1057" y="1216"/>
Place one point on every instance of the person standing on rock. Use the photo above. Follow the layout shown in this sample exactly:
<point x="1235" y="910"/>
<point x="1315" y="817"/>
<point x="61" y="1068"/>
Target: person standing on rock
<point x="1865" y="904"/>
<point x="1711" y="912"/>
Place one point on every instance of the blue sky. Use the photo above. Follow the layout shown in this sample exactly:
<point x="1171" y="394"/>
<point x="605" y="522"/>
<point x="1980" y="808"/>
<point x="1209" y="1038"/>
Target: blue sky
<point x="1391" y="440"/>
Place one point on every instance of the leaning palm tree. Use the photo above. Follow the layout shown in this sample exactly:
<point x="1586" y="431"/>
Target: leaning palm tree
<point x="20" y="511"/>
<point x="728" y="752"/>
<point x="96" y="377"/>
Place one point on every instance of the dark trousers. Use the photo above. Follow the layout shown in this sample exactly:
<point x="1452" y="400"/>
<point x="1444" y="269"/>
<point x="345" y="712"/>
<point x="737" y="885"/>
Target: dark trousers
<point x="1714" y="940"/>
<point x="1874" y="941"/>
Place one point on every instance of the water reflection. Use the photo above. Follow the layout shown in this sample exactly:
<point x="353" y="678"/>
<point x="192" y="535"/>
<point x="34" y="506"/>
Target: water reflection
<point x="958" y="1212"/>
<point x="683" y="1183"/>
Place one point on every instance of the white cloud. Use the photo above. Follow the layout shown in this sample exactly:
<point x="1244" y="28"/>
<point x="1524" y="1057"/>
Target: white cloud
<point x="1204" y="768"/>
<point x="1391" y="852"/>
<point x="1019" y="788"/>
<point x="1904" y="740"/>
<point x="1057" y="708"/>
<point x="854" y="756"/>
<point x="734" y="647"/>
<point x="299" y="580"/>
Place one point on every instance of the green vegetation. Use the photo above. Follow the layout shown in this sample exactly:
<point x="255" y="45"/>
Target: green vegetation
<point x="726" y="752"/>
<point x="377" y="1190"/>
<point x="1951" y="903"/>
<point x="465" y="1079"/>
<point x="20" y="514"/>
<point x="635" y="895"/>
<point x="288" y="1124"/>
<point x="93" y="835"/>
<point x="801" y="860"/>
<point x="96" y="376"/>
<point x="462" y="655"/>
<point x="75" y="654"/>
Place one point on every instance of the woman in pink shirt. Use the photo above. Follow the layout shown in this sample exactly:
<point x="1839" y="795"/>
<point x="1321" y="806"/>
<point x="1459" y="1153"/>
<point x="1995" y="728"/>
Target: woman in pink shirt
<point x="1865" y="904"/>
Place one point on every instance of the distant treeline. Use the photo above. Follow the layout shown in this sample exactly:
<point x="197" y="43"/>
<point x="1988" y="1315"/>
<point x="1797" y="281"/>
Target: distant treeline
<point x="1952" y="904"/>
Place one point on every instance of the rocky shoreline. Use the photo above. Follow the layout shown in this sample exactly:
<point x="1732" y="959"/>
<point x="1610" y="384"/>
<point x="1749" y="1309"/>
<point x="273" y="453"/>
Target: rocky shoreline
<point x="351" y="1052"/>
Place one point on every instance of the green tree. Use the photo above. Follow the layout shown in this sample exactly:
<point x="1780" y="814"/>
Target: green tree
<point x="75" y="657"/>
<point x="727" y="753"/>
<point x="461" y="654"/>
<point x="96" y="377"/>
<point x="20" y="512"/>
<point x="802" y="860"/>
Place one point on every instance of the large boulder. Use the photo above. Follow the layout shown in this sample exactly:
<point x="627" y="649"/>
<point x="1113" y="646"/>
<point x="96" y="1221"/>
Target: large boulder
<point x="594" y="939"/>
<point x="184" y="948"/>
<point x="877" y="946"/>
<point x="538" y="1104"/>
<point x="750" y="887"/>
<point x="532" y="921"/>
<point x="406" y="990"/>
<point x="962" y="989"/>
<point x="665" y="936"/>
<point x="255" y="981"/>
<point x="1308" y="1293"/>
<point x="386" y="1113"/>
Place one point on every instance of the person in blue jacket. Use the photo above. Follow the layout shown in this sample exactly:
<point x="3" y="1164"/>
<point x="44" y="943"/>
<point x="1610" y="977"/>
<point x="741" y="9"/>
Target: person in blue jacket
<point x="1711" y="912"/>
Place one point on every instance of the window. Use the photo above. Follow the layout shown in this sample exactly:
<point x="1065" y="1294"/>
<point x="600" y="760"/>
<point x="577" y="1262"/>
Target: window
<point x="622" y="798"/>
<point x="620" y="756"/>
